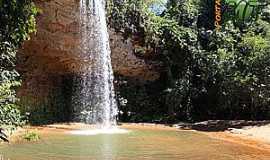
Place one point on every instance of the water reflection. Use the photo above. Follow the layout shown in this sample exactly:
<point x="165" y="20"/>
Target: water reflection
<point x="136" y="145"/>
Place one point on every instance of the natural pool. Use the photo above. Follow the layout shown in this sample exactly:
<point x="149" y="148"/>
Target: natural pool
<point x="137" y="144"/>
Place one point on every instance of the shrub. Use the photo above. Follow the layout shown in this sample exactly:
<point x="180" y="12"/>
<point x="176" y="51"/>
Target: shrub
<point x="31" y="136"/>
<point x="17" y="21"/>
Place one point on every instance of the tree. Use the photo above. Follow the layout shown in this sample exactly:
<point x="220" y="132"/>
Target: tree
<point x="17" y="19"/>
<point x="207" y="73"/>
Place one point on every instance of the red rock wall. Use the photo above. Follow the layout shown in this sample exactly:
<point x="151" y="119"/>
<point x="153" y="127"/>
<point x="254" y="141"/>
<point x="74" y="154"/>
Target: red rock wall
<point x="51" y="56"/>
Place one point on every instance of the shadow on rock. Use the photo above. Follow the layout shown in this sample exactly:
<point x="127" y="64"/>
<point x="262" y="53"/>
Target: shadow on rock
<point x="3" y="136"/>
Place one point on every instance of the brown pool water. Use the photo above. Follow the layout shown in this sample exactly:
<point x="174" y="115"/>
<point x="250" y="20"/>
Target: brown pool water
<point x="138" y="144"/>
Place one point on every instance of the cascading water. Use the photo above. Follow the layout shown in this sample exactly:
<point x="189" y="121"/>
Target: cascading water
<point x="94" y="99"/>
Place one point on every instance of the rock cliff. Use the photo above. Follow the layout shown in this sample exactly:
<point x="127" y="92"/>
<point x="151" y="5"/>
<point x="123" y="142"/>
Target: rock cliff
<point x="49" y="61"/>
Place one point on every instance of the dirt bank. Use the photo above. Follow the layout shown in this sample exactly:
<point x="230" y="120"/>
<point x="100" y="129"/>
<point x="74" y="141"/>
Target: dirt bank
<point x="251" y="133"/>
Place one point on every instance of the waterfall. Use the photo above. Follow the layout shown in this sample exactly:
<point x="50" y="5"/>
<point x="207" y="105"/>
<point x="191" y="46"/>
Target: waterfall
<point x="93" y="97"/>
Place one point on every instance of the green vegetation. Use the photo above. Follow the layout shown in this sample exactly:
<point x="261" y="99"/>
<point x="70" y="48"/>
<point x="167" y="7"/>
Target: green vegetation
<point x="31" y="136"/>
<point x="206" y="74"/>
<point x="17" y="21"/>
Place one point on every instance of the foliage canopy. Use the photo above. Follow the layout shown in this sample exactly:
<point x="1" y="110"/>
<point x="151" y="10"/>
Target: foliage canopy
<point x="17" y="18"/>
<point x="209" y="74"/>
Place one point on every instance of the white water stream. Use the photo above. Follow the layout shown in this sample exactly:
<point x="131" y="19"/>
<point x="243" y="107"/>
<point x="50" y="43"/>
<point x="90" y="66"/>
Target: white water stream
<point x="94" y="98"/>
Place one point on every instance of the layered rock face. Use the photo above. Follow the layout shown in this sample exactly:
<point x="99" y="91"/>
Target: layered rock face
<point x="49" y="62"/>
